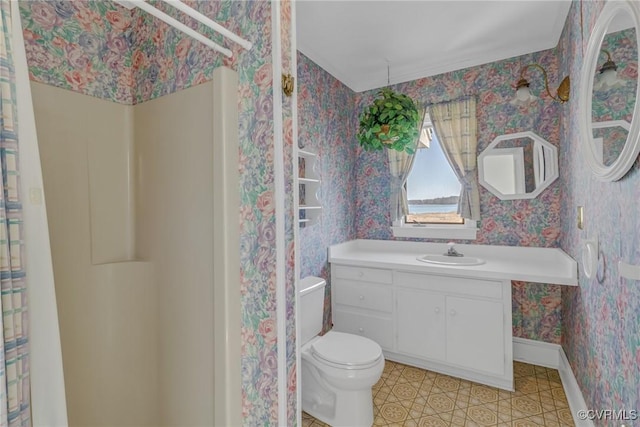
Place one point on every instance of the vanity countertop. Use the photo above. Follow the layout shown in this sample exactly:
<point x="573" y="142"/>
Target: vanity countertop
<point x="542" y="265"/>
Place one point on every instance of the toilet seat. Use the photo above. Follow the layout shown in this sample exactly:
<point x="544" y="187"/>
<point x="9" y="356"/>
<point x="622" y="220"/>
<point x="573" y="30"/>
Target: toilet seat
<point x="346" y="351"/>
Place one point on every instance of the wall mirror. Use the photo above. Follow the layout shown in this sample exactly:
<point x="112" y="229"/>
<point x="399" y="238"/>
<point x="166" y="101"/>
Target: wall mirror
<point x="518" y="166"/>
<point x="608" y="110"/>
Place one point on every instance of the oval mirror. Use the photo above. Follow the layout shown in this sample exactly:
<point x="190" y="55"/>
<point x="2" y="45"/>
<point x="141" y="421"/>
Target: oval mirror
<point x="609" y="92"/>
<point x="518" y="166"/>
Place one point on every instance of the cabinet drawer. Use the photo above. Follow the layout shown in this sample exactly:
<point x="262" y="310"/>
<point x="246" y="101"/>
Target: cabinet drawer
<point x="448" y="284"/>
<point x="363" y="295"/>
<point x="376" y="328"/>
<point x="365" y="274"/>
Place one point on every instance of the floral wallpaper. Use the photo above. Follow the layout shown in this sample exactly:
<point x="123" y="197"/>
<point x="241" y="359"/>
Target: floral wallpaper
<point x="601" y="318"/>
<point x="533" y="222"/>
<point x="100" y="49"/>
<point x="616" y="103"/>
<point x="84" y="46"/>
<point x="327" y="125"/>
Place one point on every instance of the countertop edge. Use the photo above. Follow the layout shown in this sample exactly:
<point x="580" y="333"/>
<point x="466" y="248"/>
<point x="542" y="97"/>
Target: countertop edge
<point x="343" y="254"/>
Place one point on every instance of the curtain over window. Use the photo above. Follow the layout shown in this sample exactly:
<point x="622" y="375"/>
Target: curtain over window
<point x="400" y="163"/>
<point x="14" y="347"/>
<point x="455" y="124"/>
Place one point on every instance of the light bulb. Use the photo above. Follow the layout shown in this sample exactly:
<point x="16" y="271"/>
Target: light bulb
<point x="523" y="96"/>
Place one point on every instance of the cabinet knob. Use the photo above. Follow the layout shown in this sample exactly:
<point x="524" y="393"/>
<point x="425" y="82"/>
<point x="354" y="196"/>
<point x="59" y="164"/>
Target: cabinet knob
<point x="360" y="273"/>
<point x="437" y="310"/>
<point x="453" y="312"/>
<point x="361" y="330"/>
<point x="361" y="297"/>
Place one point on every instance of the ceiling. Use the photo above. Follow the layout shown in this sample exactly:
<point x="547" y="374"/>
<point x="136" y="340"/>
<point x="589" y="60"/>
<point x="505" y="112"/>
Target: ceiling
<point x="369" y="44"/>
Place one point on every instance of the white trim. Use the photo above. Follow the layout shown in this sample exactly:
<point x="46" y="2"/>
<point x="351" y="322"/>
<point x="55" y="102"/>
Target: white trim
<point x="629" y="154"/>
<point x="187" y="10"/>
<point x="279" y="197"/>
<point x="466" y="231"/>
<point x="296" y="224"/>
<point x="553" y="356"/>
<point x="550" y="166"/>
<point x="226" y="250"/>
<point x="572" y="391"/>
<point x="129" y="4"/>
<point x="538" y="353"/>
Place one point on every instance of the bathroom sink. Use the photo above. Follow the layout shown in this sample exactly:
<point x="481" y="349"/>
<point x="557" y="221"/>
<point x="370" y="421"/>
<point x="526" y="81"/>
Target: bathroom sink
<point x="450" y="260"/>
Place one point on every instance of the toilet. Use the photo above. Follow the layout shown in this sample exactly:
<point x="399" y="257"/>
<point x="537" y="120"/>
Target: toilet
<point x="338" y="369"/>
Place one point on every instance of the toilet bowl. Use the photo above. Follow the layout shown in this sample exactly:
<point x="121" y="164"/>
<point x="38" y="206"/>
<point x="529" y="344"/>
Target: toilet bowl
<point x="338" y="369"/>
<point x="336" y="388"/>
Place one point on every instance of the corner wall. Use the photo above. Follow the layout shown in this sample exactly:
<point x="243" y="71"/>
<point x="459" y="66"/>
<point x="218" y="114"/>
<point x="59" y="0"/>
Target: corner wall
<point x="601" y="321"/>
<point x="174" y="154"/>
<point x="107" y="310"/>
<point x="327" y="126"/>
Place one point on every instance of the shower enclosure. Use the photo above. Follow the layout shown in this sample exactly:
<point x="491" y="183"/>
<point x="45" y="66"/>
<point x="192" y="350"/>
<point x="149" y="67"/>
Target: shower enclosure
<point x="142" y="205"/>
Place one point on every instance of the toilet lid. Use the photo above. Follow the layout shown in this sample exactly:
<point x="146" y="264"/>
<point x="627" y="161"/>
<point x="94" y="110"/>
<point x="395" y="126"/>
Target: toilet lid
<point x="346" y="349"/>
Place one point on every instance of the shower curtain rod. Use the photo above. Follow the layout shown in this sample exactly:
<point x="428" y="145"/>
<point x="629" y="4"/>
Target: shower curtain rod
<point x="142" y="4"/>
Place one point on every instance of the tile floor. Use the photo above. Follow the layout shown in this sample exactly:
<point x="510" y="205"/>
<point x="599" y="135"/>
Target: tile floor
<point x="413" y="397"/>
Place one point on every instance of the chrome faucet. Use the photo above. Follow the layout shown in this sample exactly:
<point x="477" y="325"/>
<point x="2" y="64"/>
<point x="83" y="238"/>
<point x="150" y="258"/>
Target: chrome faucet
<point x="451" y="251"/>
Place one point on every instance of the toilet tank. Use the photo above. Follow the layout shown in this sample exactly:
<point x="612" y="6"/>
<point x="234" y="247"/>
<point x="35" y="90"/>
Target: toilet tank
<point x="311" y="307"/>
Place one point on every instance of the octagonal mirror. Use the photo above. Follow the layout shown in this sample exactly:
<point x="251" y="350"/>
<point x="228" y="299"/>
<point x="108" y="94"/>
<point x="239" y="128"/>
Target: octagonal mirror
<point x="518" y="166"/>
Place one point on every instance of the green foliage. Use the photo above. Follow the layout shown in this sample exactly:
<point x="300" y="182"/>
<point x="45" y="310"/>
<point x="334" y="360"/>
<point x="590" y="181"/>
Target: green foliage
<point x="391" y="121"/>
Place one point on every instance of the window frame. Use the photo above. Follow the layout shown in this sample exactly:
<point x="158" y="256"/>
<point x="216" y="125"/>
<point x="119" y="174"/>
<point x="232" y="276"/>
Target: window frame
<point x="466" y="231"/>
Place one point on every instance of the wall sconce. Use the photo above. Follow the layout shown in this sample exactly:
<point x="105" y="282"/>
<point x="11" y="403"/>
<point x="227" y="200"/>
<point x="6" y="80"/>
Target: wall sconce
<point x="608" y="75"/>
<point x="524" y="95"/>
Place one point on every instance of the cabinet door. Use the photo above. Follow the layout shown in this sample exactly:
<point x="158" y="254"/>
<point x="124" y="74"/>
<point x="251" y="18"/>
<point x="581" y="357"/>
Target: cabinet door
<point x="421" y="324"/>
<point x="475" y="334"/>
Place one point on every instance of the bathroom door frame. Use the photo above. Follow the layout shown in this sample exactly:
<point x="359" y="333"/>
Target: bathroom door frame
<point x="227" y="403"/>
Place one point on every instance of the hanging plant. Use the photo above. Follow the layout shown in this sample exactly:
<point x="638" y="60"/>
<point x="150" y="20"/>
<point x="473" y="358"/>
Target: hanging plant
<point x="391" y="121"/>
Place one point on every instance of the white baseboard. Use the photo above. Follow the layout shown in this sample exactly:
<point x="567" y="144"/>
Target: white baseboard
<point x="538" y="353"/>
<point x="552" y="356"/>
<point x="572" y="391"/>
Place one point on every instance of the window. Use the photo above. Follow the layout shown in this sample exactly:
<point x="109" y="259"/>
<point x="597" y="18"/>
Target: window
<point x="432" y="194"/>
<point x="432" y="186"/>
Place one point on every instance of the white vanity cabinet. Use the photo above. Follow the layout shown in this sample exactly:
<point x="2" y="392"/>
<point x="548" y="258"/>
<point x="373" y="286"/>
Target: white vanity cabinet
<point x="420" y="324"/>
<point x="454" y="325"/>
<point x="448" y="317"/>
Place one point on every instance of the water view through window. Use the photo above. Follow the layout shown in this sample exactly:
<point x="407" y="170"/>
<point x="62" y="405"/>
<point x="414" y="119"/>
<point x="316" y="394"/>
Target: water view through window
<point x="432" y="188"/>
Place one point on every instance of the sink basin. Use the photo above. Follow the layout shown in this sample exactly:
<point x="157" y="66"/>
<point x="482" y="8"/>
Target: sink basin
<point x="450" y="260"/>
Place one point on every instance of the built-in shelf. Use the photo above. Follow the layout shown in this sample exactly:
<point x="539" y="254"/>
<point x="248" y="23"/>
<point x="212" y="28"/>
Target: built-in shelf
<point x="308" y="180"/>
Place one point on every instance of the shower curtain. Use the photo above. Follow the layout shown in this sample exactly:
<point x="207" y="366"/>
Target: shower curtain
<point x="14" y="347"/>
<point x="31" y="378"/>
